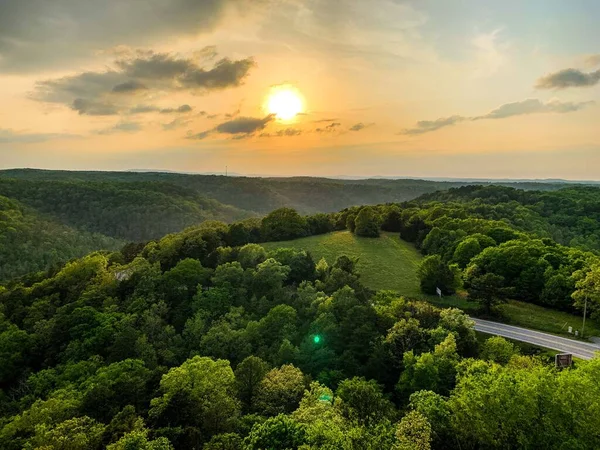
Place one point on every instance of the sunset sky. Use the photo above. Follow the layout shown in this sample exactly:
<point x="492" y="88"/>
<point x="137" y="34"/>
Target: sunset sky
<point x="422" y="88"/>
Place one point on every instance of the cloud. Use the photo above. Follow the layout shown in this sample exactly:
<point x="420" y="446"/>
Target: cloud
<point x="360" y="126"/>
<point x="13" y="137"/>
<point x="523" y="107"/>
<point x="129" y="86"/>
<point x="426" y="126"/>
<point x="141" y="73"/>
<point x="329" y="128"/>
<point x="36" y="34"/>
<point x="93" y="108"/>
<point x="121" y="127"/>
<point x="288" y="132"/>
<point x="532" y="106"/>
<point x="239" y="127"/>
<point x="568" y="78"/>
<point x="244" y="125"/>
<point x="182" y="109"/>
<point x="175" y="123"/>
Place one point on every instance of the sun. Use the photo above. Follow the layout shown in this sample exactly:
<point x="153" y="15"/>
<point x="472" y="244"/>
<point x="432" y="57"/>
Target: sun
<point x="285" y="103"/>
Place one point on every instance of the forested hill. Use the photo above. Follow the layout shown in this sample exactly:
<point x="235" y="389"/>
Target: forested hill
<point x="305" y="194"/>
<point x="30" y="242"/>
<point x="571" y="215"/>
<point x="45" y="223"/>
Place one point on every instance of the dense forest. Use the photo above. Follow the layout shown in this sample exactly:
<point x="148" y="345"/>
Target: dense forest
<point x="571" y="215"/>
<point x="30" y="242"/>
<point x="100" y="210"/>
<point x="306" y="195"/>
<point x="200" y="340"/>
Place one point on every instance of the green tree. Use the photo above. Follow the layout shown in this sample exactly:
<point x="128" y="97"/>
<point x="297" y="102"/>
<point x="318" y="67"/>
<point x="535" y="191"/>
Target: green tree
<point x="279" y="432"/>
<point x="465" y="251"/>
<point x="363" y="401"/>
<point x="280" y="391"/>
<point x="201" y="394"/>
<point x="366" y="223"/>
<point x="248" y="375"/>
<point x="283" y="224"/>
<point x="413" y="432"/>
<point x="434" y="273"/>
<point x="488" y="290"/>
<point x="497" y="349"/>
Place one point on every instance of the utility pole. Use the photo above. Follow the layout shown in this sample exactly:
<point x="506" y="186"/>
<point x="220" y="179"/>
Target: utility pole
<point x="584" y="313"/>
<point x="225" y="170"/>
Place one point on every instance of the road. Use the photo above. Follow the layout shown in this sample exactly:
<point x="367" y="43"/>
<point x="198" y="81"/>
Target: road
<point x="580" y="349"/>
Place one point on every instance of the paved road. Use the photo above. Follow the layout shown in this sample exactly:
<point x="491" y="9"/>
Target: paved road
<point x="580" y="349"/>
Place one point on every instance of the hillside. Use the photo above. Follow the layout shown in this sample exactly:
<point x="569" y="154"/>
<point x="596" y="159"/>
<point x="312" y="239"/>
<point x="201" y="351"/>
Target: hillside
<point x="570" y="216"/>
<point x="387" y="262"/>
<point x="192" y="344"/>
<point x="30" y="242"/>
<point x="305" y="194"/>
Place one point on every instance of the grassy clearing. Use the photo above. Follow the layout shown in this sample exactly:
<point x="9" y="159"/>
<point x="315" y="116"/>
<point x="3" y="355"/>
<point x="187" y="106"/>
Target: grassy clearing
<point x="390" y="263"/>
<point x="383" y="263"/>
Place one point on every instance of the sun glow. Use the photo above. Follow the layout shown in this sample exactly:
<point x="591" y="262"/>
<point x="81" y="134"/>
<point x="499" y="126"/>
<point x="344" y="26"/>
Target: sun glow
<point x="285" y="103"/>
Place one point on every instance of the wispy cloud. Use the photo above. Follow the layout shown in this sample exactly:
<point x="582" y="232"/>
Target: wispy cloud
<point x="523" y="107"/>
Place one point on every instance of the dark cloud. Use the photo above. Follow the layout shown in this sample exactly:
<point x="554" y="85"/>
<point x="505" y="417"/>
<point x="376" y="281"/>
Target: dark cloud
<point x="212" y="116"/>
<point x="329" y="128"/>
<point x="93" y="108"/>
<point x="360" y="126"/>
<point x="524" y="107"/>
<point x="181" y="109"/>
<point x="153" y="73"/>
<point x="288" y="132"/>
<point x="129" y="87"/>
<point x="38" y="34"/>
<point x="122" y="127"/>
<point x="13" y="137"/>
<point x="245" y="125"/>
<point x="240" y="126"/>
<point x="324" y="120"/>
<point x="568" y="78"/>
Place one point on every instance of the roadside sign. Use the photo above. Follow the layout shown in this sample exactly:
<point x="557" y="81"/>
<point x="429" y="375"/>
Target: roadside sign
<point x="563" y="360"/>
<point x="438" y="291"/>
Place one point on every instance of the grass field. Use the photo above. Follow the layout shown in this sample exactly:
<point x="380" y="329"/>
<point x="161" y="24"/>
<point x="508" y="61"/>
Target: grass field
<point x="383" y="263"/>
<point x="391" y="263"/>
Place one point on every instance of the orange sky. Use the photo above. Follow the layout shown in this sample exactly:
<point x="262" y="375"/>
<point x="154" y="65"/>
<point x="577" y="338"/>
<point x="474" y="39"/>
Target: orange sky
<point x="396" y="88"/>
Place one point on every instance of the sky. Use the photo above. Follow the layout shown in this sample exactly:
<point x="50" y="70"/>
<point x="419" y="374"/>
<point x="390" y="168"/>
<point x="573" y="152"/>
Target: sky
<point x="418" y="88"/>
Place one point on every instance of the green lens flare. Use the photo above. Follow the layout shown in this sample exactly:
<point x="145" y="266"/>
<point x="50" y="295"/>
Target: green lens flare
<point x="317" y="339"/>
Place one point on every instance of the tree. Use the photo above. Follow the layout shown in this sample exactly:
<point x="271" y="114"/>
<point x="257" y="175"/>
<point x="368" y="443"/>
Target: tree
<point x="434" y="273"/>
<point x="588" y="289"/>
<point x="79" y="433"/>
<point x="280" y="432"/>
<point x="366" y="223"/>
<point x="283" y="224"/>
<point x="248" y="375"/>
<point x="488" y="290"/>
<point x="138" y="440"/>
<point x="280" y="391"/>
<point x="364" y="401"/>
<point x="413" y="432"/>
<point x="465" y="251"/>
<point x="497" y="349"/>
<point x="251" y="255"/>
<point x="200" y="393"/>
